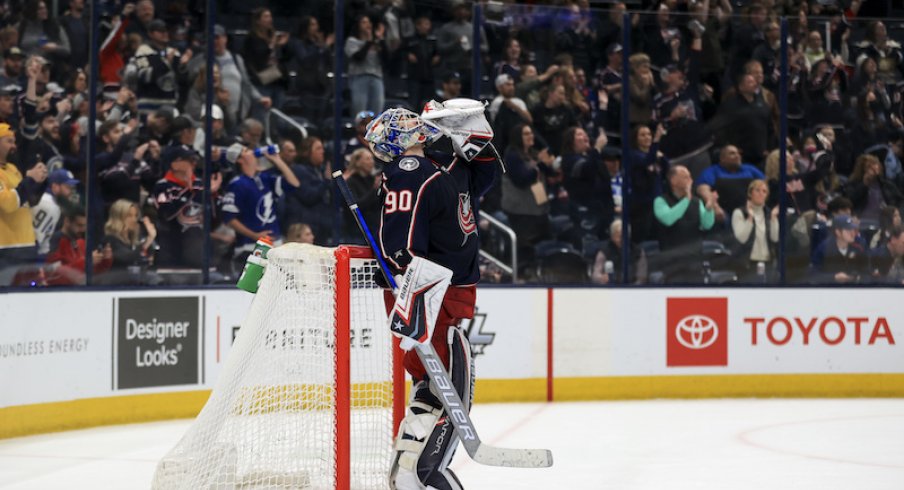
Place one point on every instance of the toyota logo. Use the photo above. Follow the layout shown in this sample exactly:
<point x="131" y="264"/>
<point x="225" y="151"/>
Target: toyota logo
<point x="697" y="331"/>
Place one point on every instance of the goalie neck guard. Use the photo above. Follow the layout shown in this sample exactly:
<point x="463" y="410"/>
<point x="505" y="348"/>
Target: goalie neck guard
<point x="396" y="130"/>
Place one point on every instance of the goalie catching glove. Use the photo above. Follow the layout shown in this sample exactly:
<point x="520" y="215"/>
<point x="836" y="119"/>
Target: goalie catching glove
<point x="420" y="298"/>
<point x="464" y="121"/>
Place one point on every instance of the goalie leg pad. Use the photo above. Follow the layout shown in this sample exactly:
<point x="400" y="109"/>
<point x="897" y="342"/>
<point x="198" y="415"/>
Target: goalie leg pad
<point x="427" y="439"/>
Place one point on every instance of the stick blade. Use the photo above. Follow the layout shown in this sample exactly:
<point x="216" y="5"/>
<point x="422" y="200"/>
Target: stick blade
<point x="512" y="458"/>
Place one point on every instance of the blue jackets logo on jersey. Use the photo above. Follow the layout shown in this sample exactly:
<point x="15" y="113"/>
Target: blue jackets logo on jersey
<point x="466" y="216"/>
<point x="409" y="164"/>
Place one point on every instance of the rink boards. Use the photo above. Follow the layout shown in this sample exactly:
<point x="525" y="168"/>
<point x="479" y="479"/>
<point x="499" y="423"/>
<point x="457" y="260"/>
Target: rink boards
<point x="75" y="359"/>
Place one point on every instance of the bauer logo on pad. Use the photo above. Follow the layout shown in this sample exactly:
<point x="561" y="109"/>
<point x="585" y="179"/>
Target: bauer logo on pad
<point x="697" y="332"/>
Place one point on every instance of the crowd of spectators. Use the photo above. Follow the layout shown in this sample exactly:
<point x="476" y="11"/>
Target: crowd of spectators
<point x="698" y="177"/>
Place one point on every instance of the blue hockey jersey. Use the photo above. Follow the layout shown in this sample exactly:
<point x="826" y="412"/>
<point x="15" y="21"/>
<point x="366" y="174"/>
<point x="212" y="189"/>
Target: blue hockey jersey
<point x="430" y="210"/>
<point x="252" y="200"/>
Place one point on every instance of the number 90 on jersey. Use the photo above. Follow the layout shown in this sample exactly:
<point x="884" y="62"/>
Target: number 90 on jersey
<point x="397" y="201"/>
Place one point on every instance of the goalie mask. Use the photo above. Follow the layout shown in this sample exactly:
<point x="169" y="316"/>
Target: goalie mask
<point x="395" y="130"/>
<point x="464" y="122"/>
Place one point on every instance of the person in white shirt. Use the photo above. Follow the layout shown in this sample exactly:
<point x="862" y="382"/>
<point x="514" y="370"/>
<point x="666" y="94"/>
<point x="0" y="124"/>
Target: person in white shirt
<point x="755" y="230"/>
<point x="46" y="214"/>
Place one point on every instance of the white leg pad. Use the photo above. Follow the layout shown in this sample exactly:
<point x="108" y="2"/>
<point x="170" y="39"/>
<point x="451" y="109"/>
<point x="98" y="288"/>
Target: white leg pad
<point x="410" y="443"/>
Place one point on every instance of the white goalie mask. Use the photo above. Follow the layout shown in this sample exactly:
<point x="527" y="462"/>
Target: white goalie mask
<point x="396" y="130"/>
<point x="464" y="122"/>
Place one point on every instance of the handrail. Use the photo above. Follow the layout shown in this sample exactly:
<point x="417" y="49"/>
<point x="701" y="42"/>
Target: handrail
<point x="285" y="117"/>
<point x="514" y="238"/>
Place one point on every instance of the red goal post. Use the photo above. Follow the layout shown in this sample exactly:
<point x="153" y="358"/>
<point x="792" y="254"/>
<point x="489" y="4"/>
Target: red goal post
<point x="311" y="393"/>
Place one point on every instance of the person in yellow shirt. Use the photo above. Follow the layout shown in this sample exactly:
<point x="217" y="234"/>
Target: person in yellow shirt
<point x="17" y="236"/>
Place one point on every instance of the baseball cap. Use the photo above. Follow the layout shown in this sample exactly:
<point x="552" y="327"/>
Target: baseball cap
<point x="215" y="111"/>
<point x="611" y="153"/>
<point x="453" y="76"/>
<point x="844" y="223"/>
<point x="183" y="122"/>
<point x="219" y="30"/>
<point x="156" y="25"/>
<point x="503" y="79"/>
<point x="177" y="152"/>
<point x="62" y="176"/>
<point x="11" y="89"/>
<point x="13" y="51"/>
<point x="670" y="68"/>
<point x="234" y="152"/>
<point x="614" y="48"/>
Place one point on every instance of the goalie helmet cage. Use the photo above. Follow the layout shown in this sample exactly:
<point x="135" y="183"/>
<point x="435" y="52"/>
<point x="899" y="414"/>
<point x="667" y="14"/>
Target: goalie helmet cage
<point x="311" y="393"/>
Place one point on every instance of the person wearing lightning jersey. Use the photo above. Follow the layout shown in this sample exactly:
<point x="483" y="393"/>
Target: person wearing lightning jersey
<point x="430" y="208"/>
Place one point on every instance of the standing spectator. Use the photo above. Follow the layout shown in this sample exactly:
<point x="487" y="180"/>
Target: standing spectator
<point x="885" y="52"/>
<point x="611" y="252"/>
<point x="140" y="18"/>
<point x="507" y="110"/>
<point x="553" y="117"/>
<point x="178" y="197"/>
<point x="17" y="192"/>
<point x="870" y="191"/>
<point x="220" y="136"/>
<point x="813" y="50"/>
<point x="420" y="52"/>
<point x="311" y="56"/>
<point x="76" y="26"/>
<point x="607" y="84"/>
<point x="363" y="182"/>
<point x="840" y="258"/>
<point x="40" y="34"/>
<point x="510" y="64"/>
<point x="725" y="183"/>
<point x="524" y="197"/>
<point x="366" y="52"/>
<point x="244" y="98"/>
<point x="311" y="203"/>
<point x="266" y="54"/>
<point x="768" y="54"/>
<point x="249" y="205"/>
<point x="755" y="231"/>
<point x="577" y="37"/>
<point x="648" y="167"/>
<point x="870" y="124"/>
<point x="662" y="40"/>
<point x="454" y="41"/>
<point x="587" y="180"/>
<point x="197" y="94"/>
<point x="745" y="121"/>
<point x="13" y="68"/>
<point x="827" y="84"/>
<point x="151" y="73"/>
<point x="66" y="260"/>
<point x="746" y="37"/>
<point x="685" y="139"/>
<point x="45" y="215"/>
<point x="532" y="83"/>
<point x="682" y="219"/>
<point x="641" y="90"/>
<point x="887" y="259"/>
<point x="131" y="248"/>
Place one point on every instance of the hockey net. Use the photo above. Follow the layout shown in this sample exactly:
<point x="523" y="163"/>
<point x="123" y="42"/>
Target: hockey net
<point x="309" y="395"/>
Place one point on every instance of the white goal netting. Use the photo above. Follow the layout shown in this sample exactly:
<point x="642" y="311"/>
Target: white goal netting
<point x="271" y="419"/>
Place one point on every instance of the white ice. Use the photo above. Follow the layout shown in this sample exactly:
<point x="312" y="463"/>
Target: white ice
<point x="770" y="444"/>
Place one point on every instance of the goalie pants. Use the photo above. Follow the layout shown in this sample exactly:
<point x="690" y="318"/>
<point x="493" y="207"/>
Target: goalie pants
<point x="458" y="305"/>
